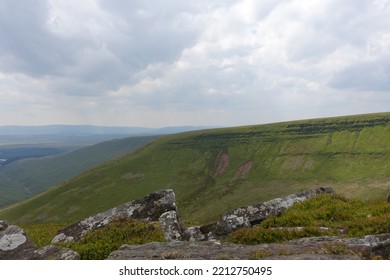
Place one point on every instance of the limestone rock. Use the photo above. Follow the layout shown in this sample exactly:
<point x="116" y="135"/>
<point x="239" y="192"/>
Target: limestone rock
<point x="149" y="208"/>
<point x="180" y="250"/>
<point x="312" y="248"/>
<point x="380" y="245"/>
<point x="194" y="234"/>
<point x="62" y="237"/>
<point x="254" y="214"/>
<point x="15" y="245"/>
<point x="3" y="225"/>
<point x="171" y="226"/>
<point x="311" y="256"/>
<point x="53" y="252"/>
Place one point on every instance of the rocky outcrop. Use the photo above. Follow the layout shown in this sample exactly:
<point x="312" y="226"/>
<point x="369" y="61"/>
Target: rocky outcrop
<point x="53" y="252"/>
<point x="184" y="243"/>
<point x="180" y="250"/>
<point x="254" y="214"/>
<point x="161" y="206"/>
<point x="149" y="208"/>
<point x="314" y="248"/>
<point x="171" y="226"/>
<point x="193" y="234"/>
<point x="3" y="225"/>
<point x="14" y="244"/>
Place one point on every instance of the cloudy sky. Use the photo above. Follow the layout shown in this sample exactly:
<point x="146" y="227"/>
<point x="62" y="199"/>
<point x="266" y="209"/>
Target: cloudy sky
<point x="162" y="63"/>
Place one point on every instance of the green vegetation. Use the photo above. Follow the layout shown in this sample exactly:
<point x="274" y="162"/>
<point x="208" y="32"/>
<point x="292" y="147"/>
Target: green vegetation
<point x="42" y="234"/>
<point x="24" y="178"/>
<point x="98" y="244"/>
<point x="213" y="171"/>
<point x="341" y="216"/>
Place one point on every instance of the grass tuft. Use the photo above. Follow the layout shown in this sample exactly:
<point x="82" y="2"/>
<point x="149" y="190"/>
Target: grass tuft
<point x="42" y="234"/>
<point x="98" y="244"/>
<point x="339" y="215"/>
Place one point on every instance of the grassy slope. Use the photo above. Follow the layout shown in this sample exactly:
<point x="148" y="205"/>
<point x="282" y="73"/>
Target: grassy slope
<point x="351" y="154"/>
<point x="10" y="195"/>
<point x="23" y="178"/>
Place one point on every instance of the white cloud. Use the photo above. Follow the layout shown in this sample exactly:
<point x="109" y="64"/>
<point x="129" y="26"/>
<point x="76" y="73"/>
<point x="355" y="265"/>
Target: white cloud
<point x="192" y="62"/>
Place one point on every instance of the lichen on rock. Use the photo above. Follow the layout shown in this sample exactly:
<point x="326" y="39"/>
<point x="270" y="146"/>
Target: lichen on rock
<point x="148" y="208"/>
<point x="14" y="244"/>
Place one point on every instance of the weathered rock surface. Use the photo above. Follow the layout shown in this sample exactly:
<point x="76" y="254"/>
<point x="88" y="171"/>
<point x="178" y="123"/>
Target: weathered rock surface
<point x="149" y="208"/>
<point x="171" y="226"/>
<point x="254" y="214"/>
<point x="14" y="244"/>
<point x="3" y="225"/>
<point x="315" y="248"/>
<point x="161" y="206"/>
<point x="180" y="250"/>
<point x="53" y="252"/>
<point x="193" y="234"/>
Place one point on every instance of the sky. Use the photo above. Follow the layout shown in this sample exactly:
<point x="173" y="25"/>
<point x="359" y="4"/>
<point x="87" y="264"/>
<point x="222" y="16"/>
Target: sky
<point x="205" y="62"/>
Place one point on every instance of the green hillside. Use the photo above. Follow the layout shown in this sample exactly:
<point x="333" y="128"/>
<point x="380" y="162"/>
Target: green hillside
<point x="213" y="171"/>
<point x="10" y="191"/>
<point x="23" y="178"/>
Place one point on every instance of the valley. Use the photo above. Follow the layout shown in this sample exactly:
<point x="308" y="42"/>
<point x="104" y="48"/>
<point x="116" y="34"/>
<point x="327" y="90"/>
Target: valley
<point x="31" y="170"/>
<point x="214" y="170"/>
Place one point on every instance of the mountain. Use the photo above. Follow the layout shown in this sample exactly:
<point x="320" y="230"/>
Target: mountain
<point x="33" y="158"/>
<point x="91" y="129"/>
<point x="21" y="179"/>
<point x="78" y="135"/>
<point x="215" y="170"/>
<point x="70" y="130"/>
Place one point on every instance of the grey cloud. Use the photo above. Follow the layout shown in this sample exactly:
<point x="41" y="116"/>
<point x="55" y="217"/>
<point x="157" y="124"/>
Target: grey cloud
<point x="337" y="24"/>
<point x="153" y="31"/>
<point x="364" y="76"/>
<point x="26" y="45"/>
<point x="191" y="56"/>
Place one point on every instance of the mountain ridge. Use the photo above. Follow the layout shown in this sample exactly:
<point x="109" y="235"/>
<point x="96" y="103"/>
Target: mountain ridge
<point x="215" y="170"/>
<point x="91" y="129"/>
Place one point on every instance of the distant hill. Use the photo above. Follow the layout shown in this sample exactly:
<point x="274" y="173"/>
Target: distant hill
<point x="91" y="129"/>
<point x="70" y="130"/>
<point x="21" y="179"/>
<point x="26" y="168"/>
<point x="215" y="170"/>
<point x="78" y="135"/>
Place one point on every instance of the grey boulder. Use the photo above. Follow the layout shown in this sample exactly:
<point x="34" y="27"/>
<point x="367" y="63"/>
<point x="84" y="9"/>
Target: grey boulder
<point x="15" y="245"/>
<point x="53" y="252"/>
<point x="3" y="225"/>
<point x="171" y="226"/>
<point x="148" y="208"/>
<point x="249" y="216"/>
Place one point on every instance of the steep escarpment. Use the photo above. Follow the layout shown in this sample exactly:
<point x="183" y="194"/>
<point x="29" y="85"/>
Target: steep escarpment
<point x="213" y="171"/>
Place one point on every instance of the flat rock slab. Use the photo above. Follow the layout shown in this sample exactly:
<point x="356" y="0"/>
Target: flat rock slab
<point x="180" y="250"/>
<point x="315" y="248"/>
